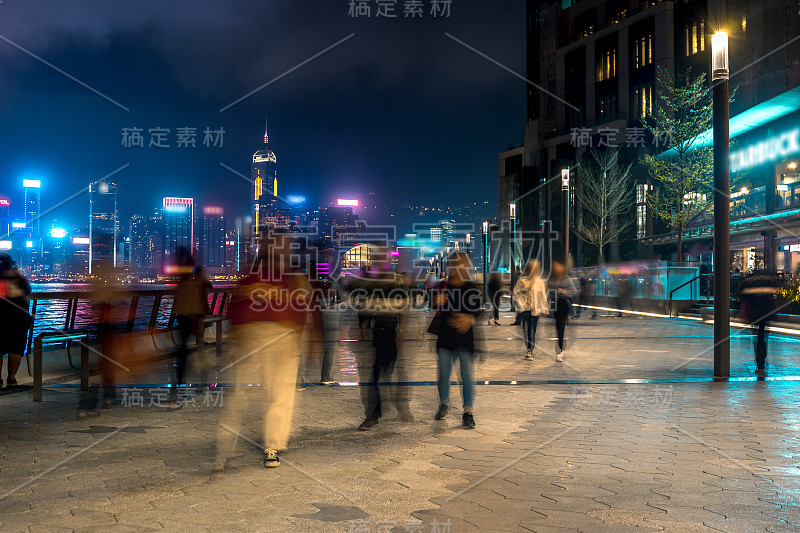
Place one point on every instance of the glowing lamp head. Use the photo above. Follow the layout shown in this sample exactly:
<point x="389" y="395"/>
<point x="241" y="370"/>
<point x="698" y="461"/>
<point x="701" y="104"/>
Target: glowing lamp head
<point x="565" y="178"/>
<point x="719" y="56"/>
<point x="485" y="227"/>
<point x="792" y="165"/>
<point x="512" y="210"/>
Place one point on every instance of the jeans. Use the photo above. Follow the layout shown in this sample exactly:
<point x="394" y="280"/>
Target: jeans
<point x="446" y="358"/>
<point x="562" y="310"/>
<point x="529" y="323"/>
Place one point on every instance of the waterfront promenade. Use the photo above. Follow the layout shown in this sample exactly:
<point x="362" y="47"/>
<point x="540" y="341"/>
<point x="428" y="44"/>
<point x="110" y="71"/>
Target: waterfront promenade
<point x="625" y="436"/>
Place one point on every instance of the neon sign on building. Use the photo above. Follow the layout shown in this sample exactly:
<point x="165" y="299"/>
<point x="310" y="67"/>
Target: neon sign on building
<point x="767" y="151"/>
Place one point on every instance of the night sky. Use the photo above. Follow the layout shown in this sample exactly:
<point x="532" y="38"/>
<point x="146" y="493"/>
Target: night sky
<point x="400" y="109"/>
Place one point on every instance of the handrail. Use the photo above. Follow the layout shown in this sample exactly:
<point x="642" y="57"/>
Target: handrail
<point x="682" y="286"/>
<point x="149" y="323"/>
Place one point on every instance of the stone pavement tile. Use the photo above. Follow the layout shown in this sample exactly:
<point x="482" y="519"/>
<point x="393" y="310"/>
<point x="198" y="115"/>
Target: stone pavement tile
<point x="789" y="515"/>
<point x="618" y="518"/>
<point x="38" y="528"/>
<point x="686" y="513"/>
<point x="569" y="503"/>
<point x="742" y="526"/>
<point x="77" y="518"/>
<point x="558" y="518"/>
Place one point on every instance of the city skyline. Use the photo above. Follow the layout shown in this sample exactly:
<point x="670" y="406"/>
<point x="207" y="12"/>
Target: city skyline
<point x="355" y="135"/>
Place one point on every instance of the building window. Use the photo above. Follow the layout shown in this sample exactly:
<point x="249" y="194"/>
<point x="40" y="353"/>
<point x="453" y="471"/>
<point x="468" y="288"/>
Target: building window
<point x="641" y="210"/>
<point x="643" y="100"/>
<point x="606" y="106"/>
<point x="643" y="51"/>
<point x="694" y="37"/>
<point x="607" y="65"/>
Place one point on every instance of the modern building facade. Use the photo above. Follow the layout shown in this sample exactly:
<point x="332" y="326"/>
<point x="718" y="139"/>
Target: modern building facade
<point x="32" y="206"/>
<point x="264" y="173"/>
<point x="102" y="223"/>
<point x="178" y="214"/>
<point x="212" y="239"/>
<point x="594" y="68"/>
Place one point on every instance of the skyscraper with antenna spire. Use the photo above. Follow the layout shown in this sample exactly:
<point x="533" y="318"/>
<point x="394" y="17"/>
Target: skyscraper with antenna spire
<point x="263" y="171"/>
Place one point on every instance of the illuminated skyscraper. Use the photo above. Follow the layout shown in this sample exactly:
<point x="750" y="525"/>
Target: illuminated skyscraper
<point x="102" y="223"/>
<point x="5" y="216"/>
<point x="212" y="239"/>
<point x="32" y="206"/>
<point x="178" y="225"/>
<point x="263" y="172"/>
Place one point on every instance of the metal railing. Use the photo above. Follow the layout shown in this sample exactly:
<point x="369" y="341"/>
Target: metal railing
<point x="682" y="285"/>
<point x="63" y="311"/>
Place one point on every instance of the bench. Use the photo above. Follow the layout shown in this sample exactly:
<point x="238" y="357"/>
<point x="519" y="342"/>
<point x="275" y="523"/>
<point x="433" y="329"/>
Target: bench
<point x="55" y="337"/>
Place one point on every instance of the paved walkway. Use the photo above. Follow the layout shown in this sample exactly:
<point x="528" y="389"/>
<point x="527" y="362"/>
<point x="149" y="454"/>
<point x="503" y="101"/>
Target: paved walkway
<point x="588" y="452"/>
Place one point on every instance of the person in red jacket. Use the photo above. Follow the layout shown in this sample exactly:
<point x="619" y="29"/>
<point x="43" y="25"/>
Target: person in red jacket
<point x="269" y="309"/>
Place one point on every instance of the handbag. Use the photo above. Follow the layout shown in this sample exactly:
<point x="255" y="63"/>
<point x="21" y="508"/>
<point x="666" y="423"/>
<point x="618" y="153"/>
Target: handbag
<point x="433" y="327"/>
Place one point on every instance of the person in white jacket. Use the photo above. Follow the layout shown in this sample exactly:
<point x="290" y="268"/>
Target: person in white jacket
<point x="530" y="297"/>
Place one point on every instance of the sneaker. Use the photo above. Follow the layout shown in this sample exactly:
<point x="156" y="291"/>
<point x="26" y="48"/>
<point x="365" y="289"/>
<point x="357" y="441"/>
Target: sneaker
<point x="271" y="459"/>
<point x="467" y="421"/>
<point x="368" y="424"/>
<point x="108" y="403"/>
<point x="441" y="414"/>
<point x="327" y="381"/>
<point x="83" y="414"/>
<point x="11" y="383"/>
<point x="529" y="355"/>
<point x="761" y="372"/>
<point x="560" y="357"/>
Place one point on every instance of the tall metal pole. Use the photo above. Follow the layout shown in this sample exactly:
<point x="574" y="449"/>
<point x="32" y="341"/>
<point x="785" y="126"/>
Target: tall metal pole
<point x="565" y="216"/>
<point x="722" y="215"/>
<point x="513" y="263"/>
<point x="485" y="262"/>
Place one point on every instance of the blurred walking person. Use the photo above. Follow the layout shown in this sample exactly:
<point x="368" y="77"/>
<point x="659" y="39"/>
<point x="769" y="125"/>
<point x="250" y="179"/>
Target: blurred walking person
<point x="563" y="291"/>
<point x="269" y="309"/>
<point x="530" y="297"/>
<point x="494" y="289"/>
<point x="460" y="304"/>
<point x="757" y="295"/>
<point x="387" y="303"/>
<point x="15" y="321"/>
<point x="190" y="306"/>
<point x="111" y="319"/>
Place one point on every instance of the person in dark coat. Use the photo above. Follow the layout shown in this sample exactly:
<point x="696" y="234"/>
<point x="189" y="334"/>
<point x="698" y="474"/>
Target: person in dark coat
<point x="494" y="296"/>
<point x="757" y="297"/>
<point x="16" y="321"/>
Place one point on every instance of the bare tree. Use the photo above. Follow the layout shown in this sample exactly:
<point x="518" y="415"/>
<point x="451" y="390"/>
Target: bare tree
<point x="606" y="195"/>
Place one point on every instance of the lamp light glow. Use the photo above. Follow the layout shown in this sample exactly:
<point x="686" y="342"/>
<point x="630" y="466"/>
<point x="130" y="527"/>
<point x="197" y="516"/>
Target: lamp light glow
<point x="58" y="233"/>
<point x="719" y="56"/>
<point x="565" y="178"/>
<point x="512" y="209"/>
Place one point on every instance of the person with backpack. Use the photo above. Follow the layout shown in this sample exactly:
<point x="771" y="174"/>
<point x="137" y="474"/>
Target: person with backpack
<point x="530" y="297"/>
<point x="757" y="296"/>
<point x="16" y="321"/>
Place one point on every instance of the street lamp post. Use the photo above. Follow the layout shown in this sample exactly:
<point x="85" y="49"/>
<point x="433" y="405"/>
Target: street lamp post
<point x="485" y="237"/>
<point x="565" y="216"/>
<point x="722" y="215"/>
<point x="512" y="211"/>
